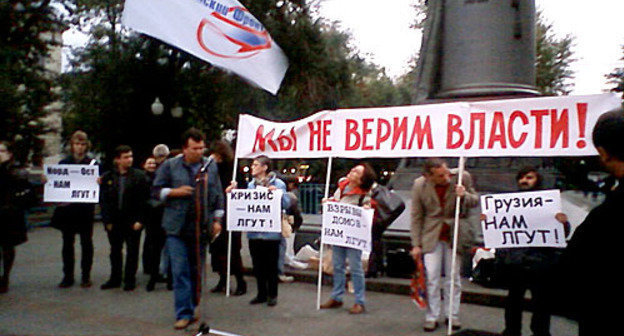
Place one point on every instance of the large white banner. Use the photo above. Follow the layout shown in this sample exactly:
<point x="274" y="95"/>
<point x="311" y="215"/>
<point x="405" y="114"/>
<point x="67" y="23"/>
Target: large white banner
<point x="71" y="183"/>
<point x="221" y="32"/>
<point x="347" y="225"/>
<point x="549" y="126"/>
<point x="254" y="210"/>
<point x="524" y="219"/>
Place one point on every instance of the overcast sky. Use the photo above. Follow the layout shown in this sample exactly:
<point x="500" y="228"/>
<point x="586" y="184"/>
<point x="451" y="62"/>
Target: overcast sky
<point x="381" y="30"/>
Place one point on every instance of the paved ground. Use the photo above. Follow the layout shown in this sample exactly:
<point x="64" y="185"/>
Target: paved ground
<point x="35" y="306"/>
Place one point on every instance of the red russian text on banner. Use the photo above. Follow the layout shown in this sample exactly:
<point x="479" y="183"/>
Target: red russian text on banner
<point x="403" y="131"/>
<point x="308" y="137"/>
<point x="548" y="126"/>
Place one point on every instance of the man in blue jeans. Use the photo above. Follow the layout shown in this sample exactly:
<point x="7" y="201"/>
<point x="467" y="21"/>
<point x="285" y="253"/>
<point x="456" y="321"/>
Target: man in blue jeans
<point x="190" y="187"/>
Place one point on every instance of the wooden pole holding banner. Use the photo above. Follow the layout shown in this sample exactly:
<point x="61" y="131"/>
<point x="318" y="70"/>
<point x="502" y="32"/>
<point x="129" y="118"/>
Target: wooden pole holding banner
<point x="320" y="271"/>
<point x="229" y="248"/>
<point x="462" y="161"/>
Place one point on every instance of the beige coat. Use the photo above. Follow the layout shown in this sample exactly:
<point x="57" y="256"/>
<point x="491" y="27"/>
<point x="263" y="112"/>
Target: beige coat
<point x="428" y="216"/>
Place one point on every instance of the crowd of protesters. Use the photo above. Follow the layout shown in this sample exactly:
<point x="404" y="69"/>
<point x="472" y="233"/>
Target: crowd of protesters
<point x="179" y="199"/>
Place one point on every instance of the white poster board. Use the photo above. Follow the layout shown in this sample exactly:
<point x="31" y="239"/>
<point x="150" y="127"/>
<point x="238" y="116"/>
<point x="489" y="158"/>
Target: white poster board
<point x="347" y="225"/>
<point x="524" y="219"/>
<point x="254" y="210"/>
<point x="71" y="183"/>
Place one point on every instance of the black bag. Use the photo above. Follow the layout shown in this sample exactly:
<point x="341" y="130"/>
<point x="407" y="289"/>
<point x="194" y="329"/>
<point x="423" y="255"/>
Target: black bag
<point x="400" y="264"/>
<point x="388" y="207"/>
<point x="487" y="273"/>
<point x="295" y="211"/>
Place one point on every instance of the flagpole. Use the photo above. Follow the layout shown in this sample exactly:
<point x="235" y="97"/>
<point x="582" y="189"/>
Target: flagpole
<point x="229" y="247"/>
<point x="460" y="173"/>
<point x="320" y="270"/>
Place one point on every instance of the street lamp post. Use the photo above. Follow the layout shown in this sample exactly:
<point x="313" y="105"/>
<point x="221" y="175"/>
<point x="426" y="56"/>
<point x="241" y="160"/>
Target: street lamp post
<point x="157" y="107"/>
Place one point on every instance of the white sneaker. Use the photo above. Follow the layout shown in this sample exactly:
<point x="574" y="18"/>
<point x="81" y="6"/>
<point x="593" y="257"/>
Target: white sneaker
<point x="285" y="278"/>
<point x="298" y="264"/>
<point x="430" y="326"/>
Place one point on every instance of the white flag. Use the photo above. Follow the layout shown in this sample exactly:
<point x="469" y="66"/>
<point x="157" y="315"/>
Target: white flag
<point x="221" y="32"/>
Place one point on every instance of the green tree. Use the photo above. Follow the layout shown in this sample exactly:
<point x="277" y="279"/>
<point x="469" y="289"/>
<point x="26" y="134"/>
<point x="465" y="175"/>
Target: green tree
<point x="553" y="59"/>
<point x="117" y="75"/>
<point x="554" y="56"/>
<point x="27" y="29"/>
<point x="616" y="78"/>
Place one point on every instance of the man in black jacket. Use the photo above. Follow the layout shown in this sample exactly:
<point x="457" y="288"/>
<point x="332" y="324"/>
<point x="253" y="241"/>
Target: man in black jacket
<point x="76" y="218"/>
<point x="124" y="195"/>
<point x="591" y="261"/>
<point x="529" y="268"/>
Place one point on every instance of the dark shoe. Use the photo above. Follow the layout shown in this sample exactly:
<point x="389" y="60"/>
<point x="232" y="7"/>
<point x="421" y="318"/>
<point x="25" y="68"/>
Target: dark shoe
<point x="110" y="284"/>
<point x="331" y="303"/>
<point x="129" y="286"/>
<point x="150" y="285"/>
<point x="455" y="324"/>
<point x="272" y="302"/>
<point x="4" y="285"/>
<point x="67" y="282"/>
<point x="241" y="288"/>
<point x="430" y="326"/>
<point x="356" y="309"/>
<point x="169" y="284"/>
<point x="257" y="300"/>
<point x="86" y="283"/>
<point x="218" y="288"/>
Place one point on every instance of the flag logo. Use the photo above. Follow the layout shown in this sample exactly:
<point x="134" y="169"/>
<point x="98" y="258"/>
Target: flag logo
<point x="246" y="36"/>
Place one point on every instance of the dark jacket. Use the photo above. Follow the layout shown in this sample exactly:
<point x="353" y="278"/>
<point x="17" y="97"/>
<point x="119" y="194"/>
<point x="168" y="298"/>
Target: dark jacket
<point x="16" y="196"/>
<point x="174" y="173"/>
<point x="133" y="207"/>
<point x="590" y="267"/>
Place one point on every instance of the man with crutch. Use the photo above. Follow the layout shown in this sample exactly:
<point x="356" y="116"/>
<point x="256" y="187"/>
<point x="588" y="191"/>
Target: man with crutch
<point x="190" y="187"/>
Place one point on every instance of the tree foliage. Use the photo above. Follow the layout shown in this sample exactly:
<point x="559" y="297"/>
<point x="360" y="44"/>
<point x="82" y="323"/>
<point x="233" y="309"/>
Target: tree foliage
<point x="24" y="82"/>
<point x="616" y="78"/>
<point x="118" y="74"/>
<point x="553" y="59"/>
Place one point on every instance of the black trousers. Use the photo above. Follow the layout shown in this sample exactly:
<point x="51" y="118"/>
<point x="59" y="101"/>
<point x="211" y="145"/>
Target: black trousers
<point x="132" y="239"/>
<point x="375" y="259"/>
<point x="218" y="254"/>
<point x="155" y="238"/>
<point x="86" y="244"/>
<point x="521" y="280"/>
<point x="264" y="257"/>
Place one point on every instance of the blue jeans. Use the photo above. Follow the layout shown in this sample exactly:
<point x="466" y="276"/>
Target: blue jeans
<point x="339" y="257"/>
<point x="184" y="270"/>
<point x="282" y="256"/>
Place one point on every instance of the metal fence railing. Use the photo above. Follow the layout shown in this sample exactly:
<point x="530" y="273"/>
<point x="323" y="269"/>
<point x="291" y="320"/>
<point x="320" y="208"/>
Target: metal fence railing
<point x="310" y="196"/>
